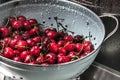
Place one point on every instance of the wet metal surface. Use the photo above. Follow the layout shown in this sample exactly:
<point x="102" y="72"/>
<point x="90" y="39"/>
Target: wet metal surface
<point x="98" y="71"/>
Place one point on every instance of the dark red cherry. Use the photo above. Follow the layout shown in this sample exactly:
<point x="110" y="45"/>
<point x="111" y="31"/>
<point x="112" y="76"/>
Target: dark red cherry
<point x="5" y="31"/>
<point x="78" y="39"/>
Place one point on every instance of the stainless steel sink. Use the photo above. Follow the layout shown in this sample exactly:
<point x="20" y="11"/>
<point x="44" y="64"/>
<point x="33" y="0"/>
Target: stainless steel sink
<point x="98" y="71"/>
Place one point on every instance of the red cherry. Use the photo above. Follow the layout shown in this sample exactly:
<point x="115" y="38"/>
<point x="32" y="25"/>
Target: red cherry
<point x="21" y="45"/>
<point x="60" y="54"/>
<point x="47" y="30"/>
<point x="18" y="37"/>
<point x="70" y="47"/>
<point x="5" y="31"/>
<point x="52" y="34"/>
<point x="68" y="38"/>
<point x="6" y="41"/>
<point x="17" y="24"/>
<point x="63" y="59"/>
<point x="37" y="39"/>
<point x="51" y="58"/>
<point x="13" y="42"/>
<point x="30" y="42"/>
<point x="33" y="21"/>
<point x="28" y="59"/>
<point x="40" y="59"/>
<point x="21" y="18"/>
<point x="17" y="58"/>
<point x="82" y="55"/>
<point x="11" y="19"/>
<point x="16" y="52"/>
<point x="53" y="47"/>
<point x="73" y="55"/>
<point x="47" y="40"/>
<point x="62" y="50"/>
<point x="8" y="52"/>
<point x="35" y="51"/>
<point x="24" y="54"/>
<point x="27" y="25"/>
<point x="79" y="47"/>
<point x="34" y="31"/>
<point x="62" y="34"/>
<point x="60" y="43"/>
<point x="88" y="49"/>
<point x="52" y="41"/>
<point x="26" y="35"/>
<point x="86" y="44"/>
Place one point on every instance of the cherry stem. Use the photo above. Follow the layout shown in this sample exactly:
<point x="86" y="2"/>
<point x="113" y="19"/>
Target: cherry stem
<point x="7" y="22"/>
<point x="56" y="19"/>
<point x="41" y="54"/>
<point x="74" y="57"/>
<point x="80" y="50"/>
<point x="61" y="25"/>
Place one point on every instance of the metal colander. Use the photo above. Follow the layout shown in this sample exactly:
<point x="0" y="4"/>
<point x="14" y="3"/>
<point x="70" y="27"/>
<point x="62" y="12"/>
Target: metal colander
<point x="75" y="17"/>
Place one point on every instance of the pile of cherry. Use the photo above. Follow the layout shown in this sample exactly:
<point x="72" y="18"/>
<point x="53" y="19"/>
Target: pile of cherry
<point x="24" y="40"/>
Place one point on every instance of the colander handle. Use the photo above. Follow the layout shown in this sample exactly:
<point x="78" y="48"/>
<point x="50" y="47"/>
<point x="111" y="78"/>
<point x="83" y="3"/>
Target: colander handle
<point x="113" y="16"/>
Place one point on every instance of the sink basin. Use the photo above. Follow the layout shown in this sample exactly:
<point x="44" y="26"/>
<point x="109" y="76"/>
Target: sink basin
<point x="98" y="71"/>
